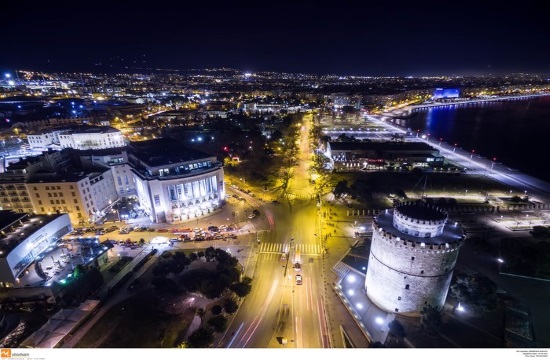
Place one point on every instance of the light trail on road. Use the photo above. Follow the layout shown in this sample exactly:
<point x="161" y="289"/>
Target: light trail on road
<point x="258" y="318"/>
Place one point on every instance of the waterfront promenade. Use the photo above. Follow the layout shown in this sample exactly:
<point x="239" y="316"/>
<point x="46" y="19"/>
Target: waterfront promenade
<point x="409" y="109"/>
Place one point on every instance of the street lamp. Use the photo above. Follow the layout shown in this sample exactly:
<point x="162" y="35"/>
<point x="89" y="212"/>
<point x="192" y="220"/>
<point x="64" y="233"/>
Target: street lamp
<point x="440" y="140"/>
<point x="454" y="148"/>
<point x="472" y="155"/>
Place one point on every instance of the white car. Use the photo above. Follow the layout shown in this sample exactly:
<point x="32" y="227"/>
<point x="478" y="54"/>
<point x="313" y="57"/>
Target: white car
<point x="251" y="216"/>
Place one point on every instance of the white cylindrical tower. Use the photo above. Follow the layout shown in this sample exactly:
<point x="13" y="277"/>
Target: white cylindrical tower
<point x="412" y="256"/>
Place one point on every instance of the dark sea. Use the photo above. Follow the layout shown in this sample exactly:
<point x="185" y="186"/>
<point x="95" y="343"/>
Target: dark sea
<point x="516" y="132"/>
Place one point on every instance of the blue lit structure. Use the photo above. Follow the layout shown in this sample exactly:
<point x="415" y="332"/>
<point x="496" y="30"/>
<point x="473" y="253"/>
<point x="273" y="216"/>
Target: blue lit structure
<point x="445" y="93"/>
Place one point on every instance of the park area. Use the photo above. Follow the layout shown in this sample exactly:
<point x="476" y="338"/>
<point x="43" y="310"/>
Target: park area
<point x="183" y="300"/>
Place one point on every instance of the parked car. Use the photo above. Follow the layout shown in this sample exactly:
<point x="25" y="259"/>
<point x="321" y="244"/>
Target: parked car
<point x="111" y="229"/>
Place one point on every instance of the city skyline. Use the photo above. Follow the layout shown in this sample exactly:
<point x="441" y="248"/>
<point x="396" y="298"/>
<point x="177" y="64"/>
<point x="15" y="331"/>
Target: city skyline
<point x="349" y="39"/>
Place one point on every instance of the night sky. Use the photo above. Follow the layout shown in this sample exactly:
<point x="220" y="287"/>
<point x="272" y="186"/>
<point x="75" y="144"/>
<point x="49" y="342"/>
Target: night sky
<point x="343" y="38"/>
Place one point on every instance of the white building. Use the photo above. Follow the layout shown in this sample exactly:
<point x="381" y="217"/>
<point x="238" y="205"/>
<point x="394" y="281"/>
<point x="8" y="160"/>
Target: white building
<point x="91" y="137"/>
<point x="175" y="183"/>
<point x="58" y="181"/>
<point x="43" y="139"/>
<point x="24" y="238"/>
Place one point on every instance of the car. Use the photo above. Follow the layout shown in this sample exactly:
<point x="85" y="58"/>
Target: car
<point x="297" y="266"/>
<point x="111" y="229"/>
<point x="163" y="230"/>
<point x="231" y="236"/>
<point x="298" y="279"/>
<point x="251" y="216"/>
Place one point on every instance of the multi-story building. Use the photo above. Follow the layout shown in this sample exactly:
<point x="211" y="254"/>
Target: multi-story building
<point x="379" y="154"/>
<point x="412" y="257"/>
<point x="44" y="138"/>
<point x="91" y="137"/>
<point x="174" y="182"/>
<point x="58" y="182"/>
<point x="23" y="238"/>
<point x="171" y="181"/>
<point x="117" y="160"/>
<point x="78" y="137"/>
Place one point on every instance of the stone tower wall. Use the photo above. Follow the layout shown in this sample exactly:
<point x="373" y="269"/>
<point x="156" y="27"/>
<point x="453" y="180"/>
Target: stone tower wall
<point x="403" y="276"/>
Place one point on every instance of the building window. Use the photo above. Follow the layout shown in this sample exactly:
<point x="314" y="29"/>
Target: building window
<point x="412" y="258"/>
<point x="157" y="200"/>
<point x="399" y="298"/>
<point x="39" y="202"/>
<point x="74" y="194"/>
<point x="422" y="271"/>
<point x="407" y="287"/>
<point x="396" y="310"/>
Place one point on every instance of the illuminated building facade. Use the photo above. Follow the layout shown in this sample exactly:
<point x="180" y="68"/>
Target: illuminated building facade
<point x="173" y="182"/>
<point x="58" y="181"/>
<point x="412" y="256"/>
<point x="23" y="238"/>
<point x="445" y="93"/>
<point x="78" y="137"/>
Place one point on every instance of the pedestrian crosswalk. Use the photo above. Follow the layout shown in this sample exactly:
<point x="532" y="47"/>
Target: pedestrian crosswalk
<point x="304" y="249"/>
<point x="341" y="269"/>
<point x="291" y="196"/>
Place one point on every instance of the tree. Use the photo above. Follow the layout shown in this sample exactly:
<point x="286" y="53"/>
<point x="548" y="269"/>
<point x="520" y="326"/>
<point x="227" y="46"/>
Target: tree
<point x="200" y="338"/>
<point x="340" y="188"/>
<point x="230" y="306"/>
<point x="476" y="291"/>
<point x="219" y="323"/>
<point x="397" y="329"/>
<point x="216" y="310"/>
<point x="242" y="288"/>
<point x="430" y="321"/>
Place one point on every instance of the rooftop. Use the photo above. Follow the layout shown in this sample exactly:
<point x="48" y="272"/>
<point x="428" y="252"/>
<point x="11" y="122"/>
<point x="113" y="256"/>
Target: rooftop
<point x="163" y="151"/>
<point x="451" y="232"/>
<point x="381" y="146"/>
<point x="16" y="227"/>
<point x="421" y="211"/>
